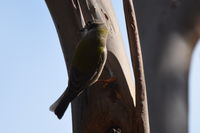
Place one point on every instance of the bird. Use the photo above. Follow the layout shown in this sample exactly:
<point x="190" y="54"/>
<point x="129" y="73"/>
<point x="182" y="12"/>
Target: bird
<point x="87" y="65"/>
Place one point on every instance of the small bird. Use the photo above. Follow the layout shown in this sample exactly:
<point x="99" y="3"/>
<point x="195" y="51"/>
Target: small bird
<point x="86" y="67"/>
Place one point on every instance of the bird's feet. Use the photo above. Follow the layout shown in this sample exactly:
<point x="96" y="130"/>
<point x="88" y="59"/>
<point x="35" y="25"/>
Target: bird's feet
<point x="106" y="82"/>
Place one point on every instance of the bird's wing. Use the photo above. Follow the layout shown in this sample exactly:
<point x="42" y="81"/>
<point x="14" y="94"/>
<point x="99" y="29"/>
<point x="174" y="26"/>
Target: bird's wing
<point x="80" y="80"/>
<point x="77" y="79"/>
<point x="100" y="65"/>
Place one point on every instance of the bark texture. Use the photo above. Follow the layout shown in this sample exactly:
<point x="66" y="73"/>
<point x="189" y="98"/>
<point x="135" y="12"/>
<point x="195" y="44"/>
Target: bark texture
<point x="169" y="31"/>
<point x="137" y="63"/>
<point x="99" y="109"/>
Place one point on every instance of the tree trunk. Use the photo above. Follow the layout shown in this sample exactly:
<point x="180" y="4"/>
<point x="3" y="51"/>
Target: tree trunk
<point x="99" y="109"/>
<point x="169" y="31"/>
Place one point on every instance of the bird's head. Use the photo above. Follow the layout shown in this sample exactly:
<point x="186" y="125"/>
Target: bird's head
<point x="99" y="27"/>
<point x="93" y="25"/>
<point x="96" y="29"/>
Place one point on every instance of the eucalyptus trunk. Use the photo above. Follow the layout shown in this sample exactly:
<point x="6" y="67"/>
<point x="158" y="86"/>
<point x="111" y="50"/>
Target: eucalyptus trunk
<point x="114" y="107"/>
<point x="169" y="30"/>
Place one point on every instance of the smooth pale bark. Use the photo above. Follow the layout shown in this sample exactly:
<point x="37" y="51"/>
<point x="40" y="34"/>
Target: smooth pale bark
<point x="99" y="109"/>
<point x="169" y="31"/>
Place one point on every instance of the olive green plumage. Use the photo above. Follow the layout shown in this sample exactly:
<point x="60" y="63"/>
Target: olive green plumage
<point x="87" y="64"/>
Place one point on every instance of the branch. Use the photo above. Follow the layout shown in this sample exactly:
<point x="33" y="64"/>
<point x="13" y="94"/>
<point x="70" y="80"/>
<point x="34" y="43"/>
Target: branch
<point x="137" y="63"/>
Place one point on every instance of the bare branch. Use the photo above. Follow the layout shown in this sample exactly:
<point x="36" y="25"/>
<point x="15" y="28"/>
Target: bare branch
<point x="136" y="56"/>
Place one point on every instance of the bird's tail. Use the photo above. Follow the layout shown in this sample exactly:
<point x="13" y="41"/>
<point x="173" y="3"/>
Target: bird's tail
<point x="59" y="106"/>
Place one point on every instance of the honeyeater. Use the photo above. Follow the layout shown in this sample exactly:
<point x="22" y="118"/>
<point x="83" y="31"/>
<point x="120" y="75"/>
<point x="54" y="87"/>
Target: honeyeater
<point x="86" y="67"/>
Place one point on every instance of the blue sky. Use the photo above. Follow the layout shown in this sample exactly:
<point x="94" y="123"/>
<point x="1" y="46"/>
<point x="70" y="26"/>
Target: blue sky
<point x="33" y="72"/>
<point x="194" y="86"/>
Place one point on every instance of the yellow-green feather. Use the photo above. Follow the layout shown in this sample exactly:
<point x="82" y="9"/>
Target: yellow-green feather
<point x="89" y="50"/>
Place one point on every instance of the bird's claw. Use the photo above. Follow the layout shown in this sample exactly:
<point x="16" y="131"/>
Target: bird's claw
<point x="107" y="81"/>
